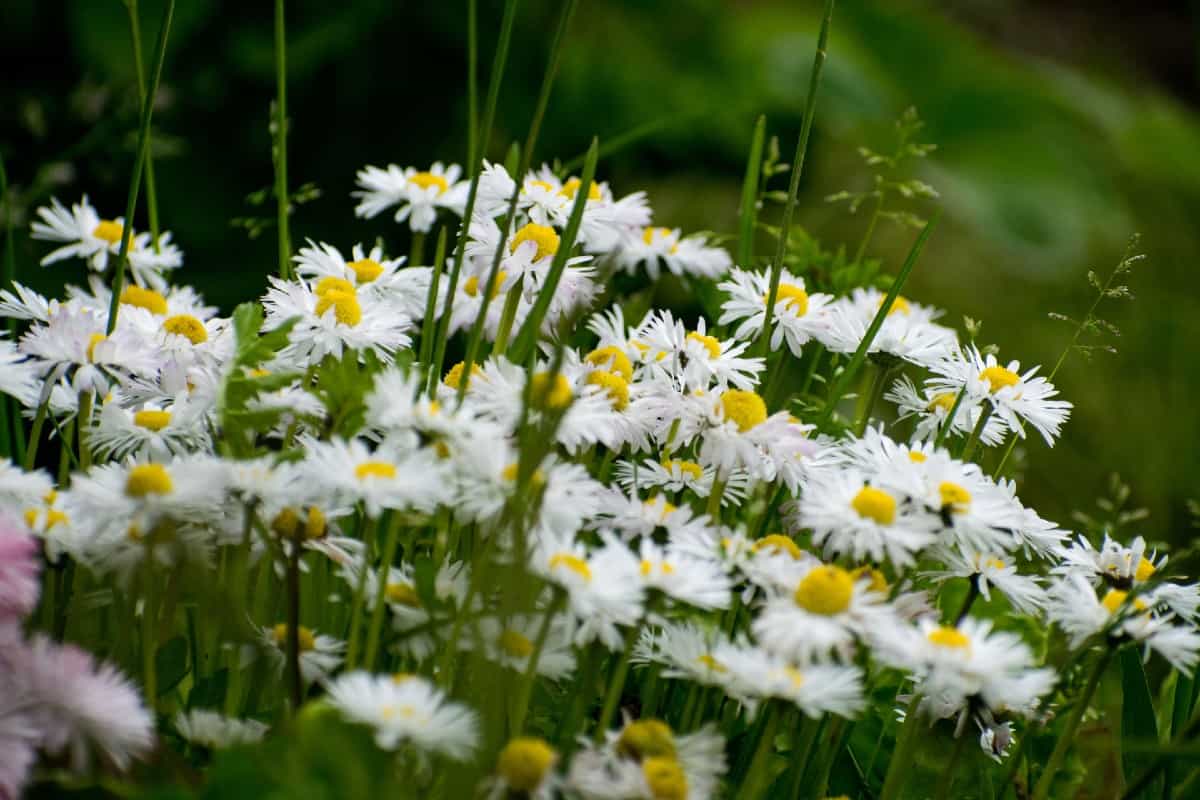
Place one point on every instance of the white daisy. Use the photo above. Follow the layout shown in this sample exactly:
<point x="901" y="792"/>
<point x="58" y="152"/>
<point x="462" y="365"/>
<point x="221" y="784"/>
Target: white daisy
<point x="215" y="731"/>
<point x="798" y="317"/>
<point x="419" y="194"/>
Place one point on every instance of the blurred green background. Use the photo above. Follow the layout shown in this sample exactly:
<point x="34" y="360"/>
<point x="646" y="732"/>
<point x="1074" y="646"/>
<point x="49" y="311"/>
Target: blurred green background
<point x="1062" y="129"/>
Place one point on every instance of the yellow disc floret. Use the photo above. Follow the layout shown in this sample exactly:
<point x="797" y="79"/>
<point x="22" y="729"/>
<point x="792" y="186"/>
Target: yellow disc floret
<point x="875" y="504"/>
<point x="949" y="637"/>
<point x="689" y="468"/>
<point x="999" y="378"/>
<point x="365" y="269"/>
<point x="188" y="327"/>
<point x="711" y="343"/>
<point x="346" y="309"/>
<point x="710" y="663"/>
<point x="878" y="583"/>
<point x="917" y="457"/>
<point x="547" y="395"/>
<point x="794" y="298"/>
<point x="571" y="188"/>
<point x="745" y="409"/>
<point x="826" y="590"/>
<point x="93" y="340"/>
<point x="954" y="497"/>
<point x="899" y="306"/>
<point x="471" y="285"/>
<point x="1116" y="598"/>
<point x="147" y="479"/>
<point x="427" y="179"/>
<point x="375" y="469"/>
<point x="647" y="738"/>
<point x="778" y="543"/>
<point x="613" y="359"/>
<point x="148" y="299"/>
<point x="304" y="637"/>
<point x="402" y="593"/>
<point x="332" y="284"/>
<point x="109" y="230"/>
<point x="524" y="762"/>
<point x="944" y="401"/>
<point x="613" y="384"/>
<point x="454" y="375"/>
<point x="515" y="643"/>
<point x="573" y="563"/>
<point x="543" y="236"/>
<point x="1145" y="569"/>
<point x="152" y="419"/>
<point x="665" y="779"/>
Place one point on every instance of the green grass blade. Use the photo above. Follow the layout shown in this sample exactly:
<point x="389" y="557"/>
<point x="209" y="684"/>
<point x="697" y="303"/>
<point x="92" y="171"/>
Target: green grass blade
<point x="1137" y="716"/>
<point x="748" y="214"/>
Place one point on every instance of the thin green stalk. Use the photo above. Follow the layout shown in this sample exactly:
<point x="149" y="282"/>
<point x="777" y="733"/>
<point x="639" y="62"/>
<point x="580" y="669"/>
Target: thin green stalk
<point x="842" y="380"/>
<point x="1143" y="780"/>
<point x="83" y="429"/>
<point x="810" y="107"/>
<point x="507" y="315"/>
<point x="416" y="250"/>
<point x="428" y="324"/>
<point x="9" y="413"/>
<point x="948" y="422"/>
<point x="762" y="753"/>
<point x="635" y="134"/>
<point x="947" y="779"/>
<point x="713" y="507"/>
<point x="295" y="679"/>
<point x="556" y="49"/>
<point x="901" y="761"/>
<point x="809" y="728"/>
<point x="149" y="674"/>
<point x="878" y="384"/>
<point x="472" y="87"/>
<point x="616" y="684"/>
<point x="526" y="687"/>
<point x="360" y="590"/>
<point x="748" y="213"/>
<point x="1067" y="736"/>
<point x="972" y="440"/>
<point x="812" y="368"/>
<point x="1008" y="450"/>
<point x="968" y="601"/>
<point x="143" y="142"/>
<point x="377" y="612"/>
<point x="489" y="114"/>
<point x="135" y="33"/>
<point x="862" y="246"/>
<point x="35" y="432"/>
<point x="280" y="145"/>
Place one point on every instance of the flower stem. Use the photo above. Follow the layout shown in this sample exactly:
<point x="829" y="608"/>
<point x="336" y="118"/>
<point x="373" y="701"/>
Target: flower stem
<point x="762" y="753"/>
<point x="972" y="440"/>
<point x="35" y="432"/>
<point x="280" y="144"/>
<point x="947" y="780"/>
<point x="377" y="612"/>
<point x="810" y="107"/>
<point x="1042" y="790"/>
<point x="809" y="728"/>
<point x="968" y="601"/>
<point x="149" y="675"/>
<point x="616" y="684"/>
<point x="143" y="147"/>
<point x="526" y="687"/>
<point x="360" y="590"/>
<point x="135" y="33"/>
<point x="507" y="315"/>
<point x="902" y="756"/>
<point x="748" y="215"/>
<point x="948" y="422"/>
<point x="295" y="681"/>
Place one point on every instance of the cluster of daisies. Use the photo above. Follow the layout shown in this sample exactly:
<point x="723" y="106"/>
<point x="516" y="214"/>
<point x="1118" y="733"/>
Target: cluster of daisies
<point x="632" y="515"/>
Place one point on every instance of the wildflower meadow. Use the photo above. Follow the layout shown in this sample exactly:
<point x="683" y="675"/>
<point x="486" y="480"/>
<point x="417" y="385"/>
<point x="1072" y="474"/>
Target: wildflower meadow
<point x="462" y="512"/>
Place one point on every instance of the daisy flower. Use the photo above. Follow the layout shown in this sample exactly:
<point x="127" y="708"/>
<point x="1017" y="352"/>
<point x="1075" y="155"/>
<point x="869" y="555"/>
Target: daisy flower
<point x="908" y="331"/>
<point x="686" y="651"/>
<point x="799" y="317"/>
<point x="216" y="731"/>
<point x="1018" y="399"/>
<point x="511" y="643"/>
<point x="814" y="688"/>
<point x="18" y="374"/>
<point x="658" y="247"/>
<point x="73" y="343"/>
<point x="931" y="408"/>
<point x="1024" y="592"/>
<point x="525" y="767"/>
<point x="646" y="760"/>
<point x="321" y="260"/>
<point x="683" y="577"/>
<point x="678" y="475"/>
<point x="152" y="432"/>
<point x="379" y="479"/>
<point x="693" y="359"/>
<point x="419" y="194"/>
<point x="320" y="655"/>
<point x="19" y="569"/>
<point x="406" y="710"/>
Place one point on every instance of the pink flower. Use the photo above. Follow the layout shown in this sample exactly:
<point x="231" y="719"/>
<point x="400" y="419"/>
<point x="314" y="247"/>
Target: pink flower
<point x="18" y="740"/>
<point x="18" y="573"/>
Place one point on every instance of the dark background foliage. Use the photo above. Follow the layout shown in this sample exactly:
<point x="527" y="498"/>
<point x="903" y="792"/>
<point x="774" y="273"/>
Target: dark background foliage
<point x="1062" y="128"/>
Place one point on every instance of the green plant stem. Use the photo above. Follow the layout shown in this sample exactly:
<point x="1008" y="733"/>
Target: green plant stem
<point x="866" y="240"/>
<point x="968" y="601"/>
<point x="83" y="429"/>
<point x="143" y="142"/>
<point x="841" y="381"/>
<point x="472" y="87"/>
<point x="1042" y="791"/>
<point x="525" y="690"/>
<point x="149" y="675"/>
<point x="748" y="213"/>
<point x="901" y="761"/>
<point x="1008" y="450"/>
<point x="809" y="728"/>
<point x="973" y="440"/>
<point x="948" y="422"/>
<point x="416" y="250"/>
<point x="295" y="679"/>
<point x="616" y="684"/>
<point x="429" y="323"/>
<point x="810" y="107"/>
<point x="391" y="540"/>
<point x="947" y="779"/>
<point x="713" y="507"/>
<point x="135" y="33"/>
<point x="1148" y="775"/>
<point x="35" y="431"/>
<point x="507" y="315"/>
<point x="280" y="144"/>
<point x="879" y="379"/>
<point x="360" y="590"/>
<point x="762" y="754"/>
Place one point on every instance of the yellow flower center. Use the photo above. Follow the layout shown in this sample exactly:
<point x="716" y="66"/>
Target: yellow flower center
<point x="826" y="590"/>
<point x="663" y="567"/>
<point x="543" y="236"/>
<point x="688" y="468"/>
<point x="346" y="308"/>
<point x="571" y="188"/>
<point x="795" y="676"/>
<point x="1145" y="569"/>
<point x="471" y="285"/>
<point x="544" y="395"/>
<point x="109" y="230"/>
<point x="455" y="375"/>
<point x="147" y="479"/>
<point x="954" y="497"/>
<point x="999" y="378"/>
<point x="188" y="327"/>
<point x="1116" y="598"/>
<point x="148" y="299"/>
<point x="403" y="594"/>
<point x="510" y="473"/>
<point x="876" y="504"/>
<point x="427" y="179"/>
<point x="611" y="358"/>
<point x="333" y="284"/>
<point x="655" y="503"/>
<point x="304" y="637"/>
<point x="994" y="563"/>
<point x="152" y="419"/>
<point x="917" y="457"/>
<point x="878" y="583"/>
<point x="524" y="762"/>
<point x="365" y="269"/>
<point x="711" y="343"/>
<point x="516" y="644"/>
<point x="899" y="306"/>
<point x="93" y="340"/>
<point x="650" y="234"/>
<point x="375" y="469"/>
<point x="544" y="185"/>
<point x="944" y="401"/>
<point x="778" y="543"/>
<point x="793" y="297"/>
<point x="614" y="384"/>
<point x="665" y="779"/>
<point x="949" y="637"/>
<point x="745" y="409"/>
<point x="573" y="563"/>
<point x="711" y="664"/>
<point x="647" y="738"/>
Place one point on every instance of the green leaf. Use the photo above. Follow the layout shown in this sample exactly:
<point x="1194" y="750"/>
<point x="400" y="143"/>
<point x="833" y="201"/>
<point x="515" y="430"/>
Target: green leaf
<point x="1137" y="717"/>
<point x="171" y="664"/>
